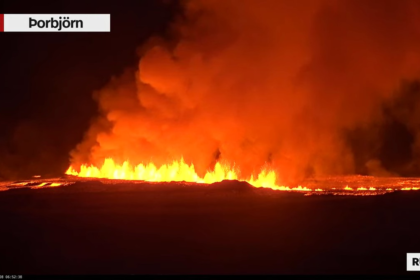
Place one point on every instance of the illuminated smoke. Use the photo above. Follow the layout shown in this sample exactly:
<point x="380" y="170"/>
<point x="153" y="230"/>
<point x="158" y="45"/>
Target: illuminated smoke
<point x="257" y="83"/>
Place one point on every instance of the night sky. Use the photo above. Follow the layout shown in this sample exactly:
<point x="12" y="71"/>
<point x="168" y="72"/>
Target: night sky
<point x="48" y="79"/>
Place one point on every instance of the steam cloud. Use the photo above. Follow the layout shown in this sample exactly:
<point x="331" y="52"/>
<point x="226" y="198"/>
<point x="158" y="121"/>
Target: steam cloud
<point x="255" y="83"/>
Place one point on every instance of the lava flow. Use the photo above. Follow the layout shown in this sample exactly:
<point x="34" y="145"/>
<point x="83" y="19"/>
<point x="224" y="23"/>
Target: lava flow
<point x="178" y="171"/>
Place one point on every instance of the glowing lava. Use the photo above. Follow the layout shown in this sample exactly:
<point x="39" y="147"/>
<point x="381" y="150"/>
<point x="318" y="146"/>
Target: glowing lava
<point x="178" y="171"/>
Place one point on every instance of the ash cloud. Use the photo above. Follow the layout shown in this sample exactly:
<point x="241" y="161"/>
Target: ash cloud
<point x="257" y="83"/>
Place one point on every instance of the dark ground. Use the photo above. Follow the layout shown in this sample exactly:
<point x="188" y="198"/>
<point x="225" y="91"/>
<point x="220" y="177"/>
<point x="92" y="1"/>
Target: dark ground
<point x="95" y="228"/>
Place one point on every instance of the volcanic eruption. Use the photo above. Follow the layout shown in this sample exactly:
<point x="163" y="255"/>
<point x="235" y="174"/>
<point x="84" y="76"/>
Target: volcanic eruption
<point x="248" y="137"/>
<point x="269" y="94"/>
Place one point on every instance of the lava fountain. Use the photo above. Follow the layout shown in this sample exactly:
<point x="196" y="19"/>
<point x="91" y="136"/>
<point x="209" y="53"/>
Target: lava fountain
<point x="178" y="171"/>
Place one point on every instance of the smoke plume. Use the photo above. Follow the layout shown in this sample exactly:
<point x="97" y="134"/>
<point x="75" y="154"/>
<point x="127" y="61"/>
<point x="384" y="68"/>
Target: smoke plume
<point x="257" y="83"/>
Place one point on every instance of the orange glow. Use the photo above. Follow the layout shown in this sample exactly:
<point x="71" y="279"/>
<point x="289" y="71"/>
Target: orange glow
<point x="179" y="171"/>
<point x="20" y="184"/>
<point x="410" y="189"/>
<point x="48" y="185"/>
<point x="39" y="186"/>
